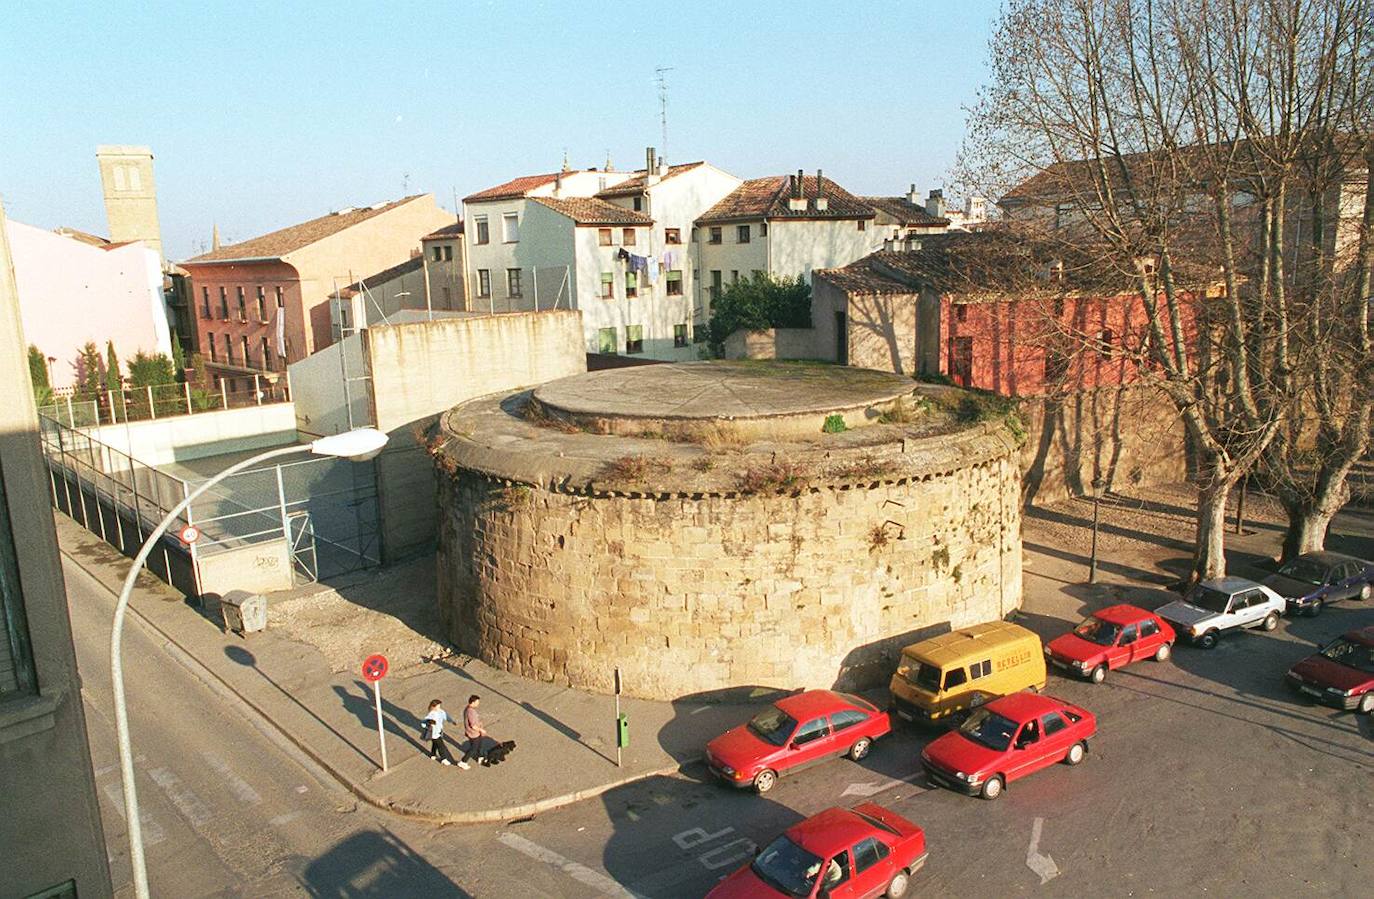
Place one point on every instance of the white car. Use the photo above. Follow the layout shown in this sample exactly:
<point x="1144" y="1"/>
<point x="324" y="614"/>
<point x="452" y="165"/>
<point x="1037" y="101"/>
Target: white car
<point x="1224" y="604"/>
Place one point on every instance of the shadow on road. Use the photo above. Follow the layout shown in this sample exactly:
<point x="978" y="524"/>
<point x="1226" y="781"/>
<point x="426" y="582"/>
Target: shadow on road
<point x="374" y="865"/>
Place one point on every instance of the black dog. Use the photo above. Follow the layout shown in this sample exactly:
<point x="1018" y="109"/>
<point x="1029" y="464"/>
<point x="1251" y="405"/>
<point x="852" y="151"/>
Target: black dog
<point x="497" y="754"/>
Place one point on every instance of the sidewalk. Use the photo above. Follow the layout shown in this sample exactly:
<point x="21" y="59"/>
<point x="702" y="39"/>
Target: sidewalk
<point x="318" y="700"/>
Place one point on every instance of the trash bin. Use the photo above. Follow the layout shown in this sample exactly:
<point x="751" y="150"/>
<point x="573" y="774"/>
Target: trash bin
<point x="244" y="612"/>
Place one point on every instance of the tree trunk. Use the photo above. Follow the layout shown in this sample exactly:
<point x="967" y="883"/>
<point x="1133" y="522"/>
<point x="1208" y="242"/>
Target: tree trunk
<point x="1310" y="518"/>
<point x="1209" y="557"/>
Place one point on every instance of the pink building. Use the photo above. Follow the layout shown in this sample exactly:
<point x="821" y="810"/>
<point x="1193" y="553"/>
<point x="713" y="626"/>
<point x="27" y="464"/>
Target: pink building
<point x="74" y="290"/>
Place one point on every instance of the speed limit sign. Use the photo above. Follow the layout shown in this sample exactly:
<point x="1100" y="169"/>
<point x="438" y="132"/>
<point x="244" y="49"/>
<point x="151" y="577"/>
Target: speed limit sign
<point x="189" y="534"/>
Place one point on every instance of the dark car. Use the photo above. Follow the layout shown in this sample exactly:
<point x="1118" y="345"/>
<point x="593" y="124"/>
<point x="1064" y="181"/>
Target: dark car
<point x="1341" y="675"/>
<point x="1312" y="580"/>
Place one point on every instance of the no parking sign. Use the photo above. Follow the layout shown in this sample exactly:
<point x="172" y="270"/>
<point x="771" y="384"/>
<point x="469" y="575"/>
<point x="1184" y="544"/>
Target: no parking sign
<point x="374" y="669"/>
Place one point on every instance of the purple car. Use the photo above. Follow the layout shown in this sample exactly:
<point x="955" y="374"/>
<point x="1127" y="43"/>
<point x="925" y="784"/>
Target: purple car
<point x="1312" y="580"/>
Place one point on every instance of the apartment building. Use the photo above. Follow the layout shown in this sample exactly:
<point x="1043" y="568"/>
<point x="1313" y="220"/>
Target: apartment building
<point x="444" y="253"/>
<point x="265" y="302"/>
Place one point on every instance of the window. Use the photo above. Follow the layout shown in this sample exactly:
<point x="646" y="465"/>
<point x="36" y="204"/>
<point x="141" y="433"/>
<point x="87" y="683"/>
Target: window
<point x="634" y="338"/>
<point x="438" y="254"/>
<point x="262" y="304"/>
<point x="247" y="360"/>
<point x="715" y="235"/>
<point x="483" y="231"/>
<point x="603" y="237"/>
<point x="763" y="229"/>
<point x="715" y="285"/>
<point x="205" y="302"/>
<point x="448" y="298"/>
<point x="265" y="345"/>
<point x="1053" y="724"/>
<point x="510" y="227"/>
<point x="679" y="336"/>
<point x="1104" y="341"/>
<point x="639" y="204"/>
<point x="741" y="234"/>
<point x="281" y="300"/>
<point x="811" y="730"/>
<point x="980" y="669"/>
<point x="607" y="286"/>
<point x="867" y="853"/>
<point x="627" y="236"/>
<point x="631" y="284"/>
<point x="18" y="674"/>
<point x="513" y="282"/>
<point x="229" y="349"/>
<point x="863" y="224"/>
<point x="224" y="303"/>
<point x="605" y="341"/>
<point x="1029" y="734"/>
<point x="675" y="283"/>
<point x="961" y="312"/>
<point x="448" y="252"/>
<point x="483" y="282"/>
<point x="734" y="276"/>
<point x="1148" y="628"/>
<point x="672" y="235"/>
<point x="214" y="356"/>
<point x="955" y="677"/>
<point x="243" y="306"/>
<point x="1128" y="635"/>
<point x="846" y="718"/>
<point x="837" y="872"/>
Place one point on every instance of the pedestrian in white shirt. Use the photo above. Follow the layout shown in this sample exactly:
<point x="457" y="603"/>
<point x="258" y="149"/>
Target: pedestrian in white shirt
<point x="433" y="730"/>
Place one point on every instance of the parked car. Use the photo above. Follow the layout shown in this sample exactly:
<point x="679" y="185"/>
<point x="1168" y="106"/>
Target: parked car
<point x="1221" y="605"/>
<point x="1007" y="739"/>
<point x="1111" y="638"/>
<point x="1341" y="675"/>
<point x="947" y="675"/>
<point x="793" y="733"/>
<point x="1312" y="580"/>
<point x="840" y="853"/>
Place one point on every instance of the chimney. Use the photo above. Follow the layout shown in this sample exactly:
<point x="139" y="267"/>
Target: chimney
<point x="935" y="204"/>
<point x="214" y="236"/>
<point x="913" y="197"/>
<point x="822" y="202"/>
<point x="801" y="184"/>
<point x="650" y="166"/>
<point x="558" y="185"/>
<point x="662" y="167"/>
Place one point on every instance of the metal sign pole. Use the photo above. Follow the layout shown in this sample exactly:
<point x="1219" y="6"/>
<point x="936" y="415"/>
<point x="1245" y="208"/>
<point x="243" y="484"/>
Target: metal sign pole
<point x="381" y="736"/>
<point x="618" y="740"/>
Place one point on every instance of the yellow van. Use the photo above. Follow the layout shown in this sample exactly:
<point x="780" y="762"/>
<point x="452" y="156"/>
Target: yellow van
<point x="964" y="669"/>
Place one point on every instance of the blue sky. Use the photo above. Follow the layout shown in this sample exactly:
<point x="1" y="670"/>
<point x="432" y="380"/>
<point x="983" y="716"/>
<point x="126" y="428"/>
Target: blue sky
<point x="261" y="115"/>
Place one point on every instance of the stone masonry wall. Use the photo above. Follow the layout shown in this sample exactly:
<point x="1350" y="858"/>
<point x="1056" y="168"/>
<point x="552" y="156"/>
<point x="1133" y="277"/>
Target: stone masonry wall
<point x="696" y="594"/>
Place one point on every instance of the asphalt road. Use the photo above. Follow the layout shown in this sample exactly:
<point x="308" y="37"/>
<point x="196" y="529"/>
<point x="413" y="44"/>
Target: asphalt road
<point x="1206" y="777"/>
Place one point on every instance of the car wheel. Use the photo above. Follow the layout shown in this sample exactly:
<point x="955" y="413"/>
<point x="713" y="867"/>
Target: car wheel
<point x="992" y="788"/>
<point x="1366" y="591"/>
<point x="1315" y="609"/>
<point x="764" y="781"/>
<point x="1209" y="640"/>
<point x="896" y="887"/>
<point x="860" y="748"/>
<point x="1076" y="753"/>
<point x="1271" y="621"/>
<point x="1099" y="674"/>
<point x="1162" y="654"/>
<point x="1367" y="704"/>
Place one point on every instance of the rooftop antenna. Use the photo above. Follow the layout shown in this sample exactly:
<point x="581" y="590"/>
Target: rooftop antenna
<point x="661" y="77"/>
<point x="405" y="184"/>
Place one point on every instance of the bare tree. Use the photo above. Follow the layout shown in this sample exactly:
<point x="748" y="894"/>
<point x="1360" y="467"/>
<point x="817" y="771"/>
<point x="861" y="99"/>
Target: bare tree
<point x="1175" y="141"/>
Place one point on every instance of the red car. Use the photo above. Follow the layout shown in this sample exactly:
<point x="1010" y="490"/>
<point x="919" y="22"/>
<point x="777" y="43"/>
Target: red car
<point x="1111" y="638"/>
<point x="1341" y="675"/>
<point x="795" y="732"/>
<point x="839" y="853"/>
<point x="1007" y="739"/>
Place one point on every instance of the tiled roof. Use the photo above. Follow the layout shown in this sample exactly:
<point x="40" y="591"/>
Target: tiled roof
<point x="861" y="277"/>
<point x="906" y="212"/>
<point x="637" y="182"/>
<point x="288" y="240"/>
<point x="767" y="198"/>
<point x="512" y="189"/>
<point x="591" y="211"/>
<point x="94" y="240"/>
<point x="448" y="232"/>
<point x="413" y="264"/>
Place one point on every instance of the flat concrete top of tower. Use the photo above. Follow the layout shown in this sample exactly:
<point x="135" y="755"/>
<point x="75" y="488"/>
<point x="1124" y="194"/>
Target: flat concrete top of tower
<point x="720" y="390"/>
<point x="122" y="150"/>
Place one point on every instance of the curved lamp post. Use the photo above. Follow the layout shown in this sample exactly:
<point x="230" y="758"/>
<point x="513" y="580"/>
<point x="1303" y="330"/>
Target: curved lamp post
<point x="358" y="445"/>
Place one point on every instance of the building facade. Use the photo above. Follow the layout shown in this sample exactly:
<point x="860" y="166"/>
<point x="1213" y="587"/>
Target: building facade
<point x="263" y="303"/>
<point x="445" y="255"/>
<point x="51" y="835"/>
<point x="130" y="193"/>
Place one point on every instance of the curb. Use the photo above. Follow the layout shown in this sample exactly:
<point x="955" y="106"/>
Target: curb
<point x="317" y="764"/>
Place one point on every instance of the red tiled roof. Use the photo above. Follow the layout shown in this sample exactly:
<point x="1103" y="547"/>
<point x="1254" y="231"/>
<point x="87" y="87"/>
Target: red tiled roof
<point x="591" y="211"/>
<point x="768" y="198"/>
<point x="512" y="189"/>
<point x="288" y="240"/>
<point x="448" y="232"/>
<point x="906" y="212"/>
<point x="637" y="182"/>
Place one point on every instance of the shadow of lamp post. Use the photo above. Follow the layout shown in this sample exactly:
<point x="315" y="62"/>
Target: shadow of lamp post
<point x="1096" y="490"/>
<point x="358" y="445"/>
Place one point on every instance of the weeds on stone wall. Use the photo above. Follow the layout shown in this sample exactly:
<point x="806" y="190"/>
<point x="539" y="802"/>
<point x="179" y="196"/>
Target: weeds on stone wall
<point x="905" y="412"/>
<point x="864" y="469"/>
<point x="834" y="424"/>
<point x="877" y="538"/>
<point x="940" y="558"/>
<point x="703" y="464"/>
<point x="515" y="497"/>
<point x="977" y="406"/>
<point x="635" y="468"/>
<point x="770" y="477"/>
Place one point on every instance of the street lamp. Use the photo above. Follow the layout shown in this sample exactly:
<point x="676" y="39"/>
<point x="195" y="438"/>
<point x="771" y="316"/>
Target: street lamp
<point x="358" y="445"/>
<point x="1096" y="490"/>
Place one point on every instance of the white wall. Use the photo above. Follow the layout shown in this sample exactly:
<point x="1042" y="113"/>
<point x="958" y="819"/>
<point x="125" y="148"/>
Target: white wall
<point x="318" y="394"/>
<point x="183" y="437"/>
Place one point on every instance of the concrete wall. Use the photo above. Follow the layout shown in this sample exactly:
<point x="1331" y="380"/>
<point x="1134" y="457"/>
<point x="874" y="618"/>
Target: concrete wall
<point x="773" y="343"/>
<point x="203" y="434"/>
<point x="50" y="831"/>
<point x="701" y="593"/>
<point x="318" y="392"/>
<point x="258" y="568"/>
<point x="419" y="370"/>
<point x="798" y="248"/>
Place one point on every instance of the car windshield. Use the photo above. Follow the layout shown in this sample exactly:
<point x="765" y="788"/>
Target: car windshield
<point x="920" y="674"/>
<point x="787" y="867"/>
<point x="773" y="725"/>
<point x="1206" y="598"/>
<point x="1095" y="630"/>
<point x="1304" y="570"/>
<point x="1355" y="655"/>
<point x="989" y="729"/>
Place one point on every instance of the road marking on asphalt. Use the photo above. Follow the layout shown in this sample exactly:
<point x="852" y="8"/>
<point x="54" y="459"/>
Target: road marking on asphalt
<point x="237" y="785"/>
<point x="874" y="787"/>
<point x="186" y="801"/>
<point x="152" y="831"/>
<point x="717" y="857"/>
<point x="1037" y="861"/>
<point x="581" y="873"/>
<point x="282" y="820"/>
<point x="105" y="769"/>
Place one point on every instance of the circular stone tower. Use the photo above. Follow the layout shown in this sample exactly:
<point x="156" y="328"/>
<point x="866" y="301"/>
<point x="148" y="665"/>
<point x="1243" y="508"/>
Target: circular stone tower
<point x="708" y="525"/>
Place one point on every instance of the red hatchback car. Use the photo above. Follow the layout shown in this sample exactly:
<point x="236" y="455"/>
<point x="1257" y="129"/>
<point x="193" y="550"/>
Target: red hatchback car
<point x="839" y="853"/>
<point x="795" y="732"/>
<point x="1007" y="739"/>
<point x="1341" y="675"/>
<point x="1111" y="638"/>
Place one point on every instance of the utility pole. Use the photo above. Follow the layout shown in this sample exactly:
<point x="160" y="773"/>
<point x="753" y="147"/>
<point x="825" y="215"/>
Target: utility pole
<point x="661" y="77"/>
